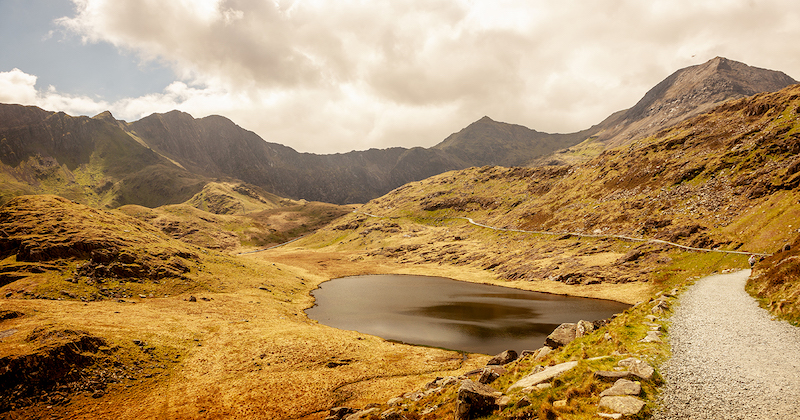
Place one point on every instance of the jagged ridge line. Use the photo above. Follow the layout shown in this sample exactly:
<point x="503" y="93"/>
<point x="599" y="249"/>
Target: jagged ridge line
<point x="582" y="235"/>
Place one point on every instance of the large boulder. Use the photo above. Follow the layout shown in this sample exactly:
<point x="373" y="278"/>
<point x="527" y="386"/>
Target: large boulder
<point x="475" y="400"/>
<point x="565" y="333"/>
<point x="562" y="335"/>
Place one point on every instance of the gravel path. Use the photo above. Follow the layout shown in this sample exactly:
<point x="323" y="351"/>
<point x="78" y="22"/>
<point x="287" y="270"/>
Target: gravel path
<point x="730" y="360"/>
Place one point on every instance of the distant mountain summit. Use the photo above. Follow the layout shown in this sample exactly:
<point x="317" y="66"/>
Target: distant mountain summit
<point x="684" y="94"/>
<point x="488" y="142"/>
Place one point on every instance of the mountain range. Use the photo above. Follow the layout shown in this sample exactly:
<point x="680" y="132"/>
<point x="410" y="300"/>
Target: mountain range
<point x="167" y="158"/>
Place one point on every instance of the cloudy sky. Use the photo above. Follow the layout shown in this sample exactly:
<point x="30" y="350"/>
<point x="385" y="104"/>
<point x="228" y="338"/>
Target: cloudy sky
<point x="340" y="75"/>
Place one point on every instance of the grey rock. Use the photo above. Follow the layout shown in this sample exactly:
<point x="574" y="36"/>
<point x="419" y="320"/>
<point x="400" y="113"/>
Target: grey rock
<point x="503" y="358"/>
<point x="651" y="337"/>
<point x="583" y="328"/>
<point x="542" y="353"/>
<point x="622" y="387"/>
<point x="490" y="374"/>
<point x="545" y="375"/>
<point x="475" y="400"/>
<point x="660" y="307"/>
<point x="625" y="405"/>
<point x="503" y="402"/>
<point x="638" y="367"/>
<point x="562" y="335"/>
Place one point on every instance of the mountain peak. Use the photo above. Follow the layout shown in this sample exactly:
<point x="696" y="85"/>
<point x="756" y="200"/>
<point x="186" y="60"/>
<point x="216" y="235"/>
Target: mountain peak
<point x="105" y="116"/>
<point x="688" y="92"/>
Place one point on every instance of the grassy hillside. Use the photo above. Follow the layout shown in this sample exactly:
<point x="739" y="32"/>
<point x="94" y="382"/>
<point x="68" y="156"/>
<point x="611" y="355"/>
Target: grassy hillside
<point x="104" y="316"/>
<point x="89" y="160"/>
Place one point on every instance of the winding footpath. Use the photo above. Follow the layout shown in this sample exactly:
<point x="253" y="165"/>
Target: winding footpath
<point x="730" y="359"/>
<point x="576" y="234"/>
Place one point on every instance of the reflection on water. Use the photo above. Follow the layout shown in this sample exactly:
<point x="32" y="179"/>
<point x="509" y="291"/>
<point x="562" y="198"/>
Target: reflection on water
<point x="474" y="311"/>
<point x="446" y="313"/>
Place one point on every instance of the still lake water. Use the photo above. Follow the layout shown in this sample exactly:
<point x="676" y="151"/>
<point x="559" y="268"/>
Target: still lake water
<point x="457" y="315"/>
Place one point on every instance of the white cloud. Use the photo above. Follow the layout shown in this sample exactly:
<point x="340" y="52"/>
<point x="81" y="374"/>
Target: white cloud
<point x="19" y="87"/>
<point x="329" y="76"/>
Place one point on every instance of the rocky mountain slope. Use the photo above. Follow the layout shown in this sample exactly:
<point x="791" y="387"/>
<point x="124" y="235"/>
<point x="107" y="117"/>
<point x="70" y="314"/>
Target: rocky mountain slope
<point x="684" y="94"/>
<point x="166" y="158"/>
<point x="90" y="160"/>
<point x="727" y="179"/>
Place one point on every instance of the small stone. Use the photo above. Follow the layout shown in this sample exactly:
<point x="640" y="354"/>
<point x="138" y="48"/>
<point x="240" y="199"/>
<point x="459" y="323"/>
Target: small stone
<point x="610" y="415"/>
<point x="395" y="401"/>
<point x="488" y="376"/>
<point x="503" y="402"/>
<point x="542" y="353"/>
<point x="503" y="358"/>
<point x="624" y="405"/>
<point x="583" y="328"/>
<point x="660" y="307"/>
<point x="623" y="387"/>
<point x="560" y="404"/>
<point x="524" y="402"/>
<point x="192" y="299"/>
<point x="637" y="367"/>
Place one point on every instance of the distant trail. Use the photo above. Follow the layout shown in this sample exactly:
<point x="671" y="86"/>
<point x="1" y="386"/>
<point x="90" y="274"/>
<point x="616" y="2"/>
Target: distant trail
<point x="583" y="235"/>
<point x="730" y="359"/>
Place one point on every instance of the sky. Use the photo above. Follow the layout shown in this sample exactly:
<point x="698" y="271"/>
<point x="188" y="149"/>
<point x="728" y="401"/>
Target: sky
<point x="340" y="75"/>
